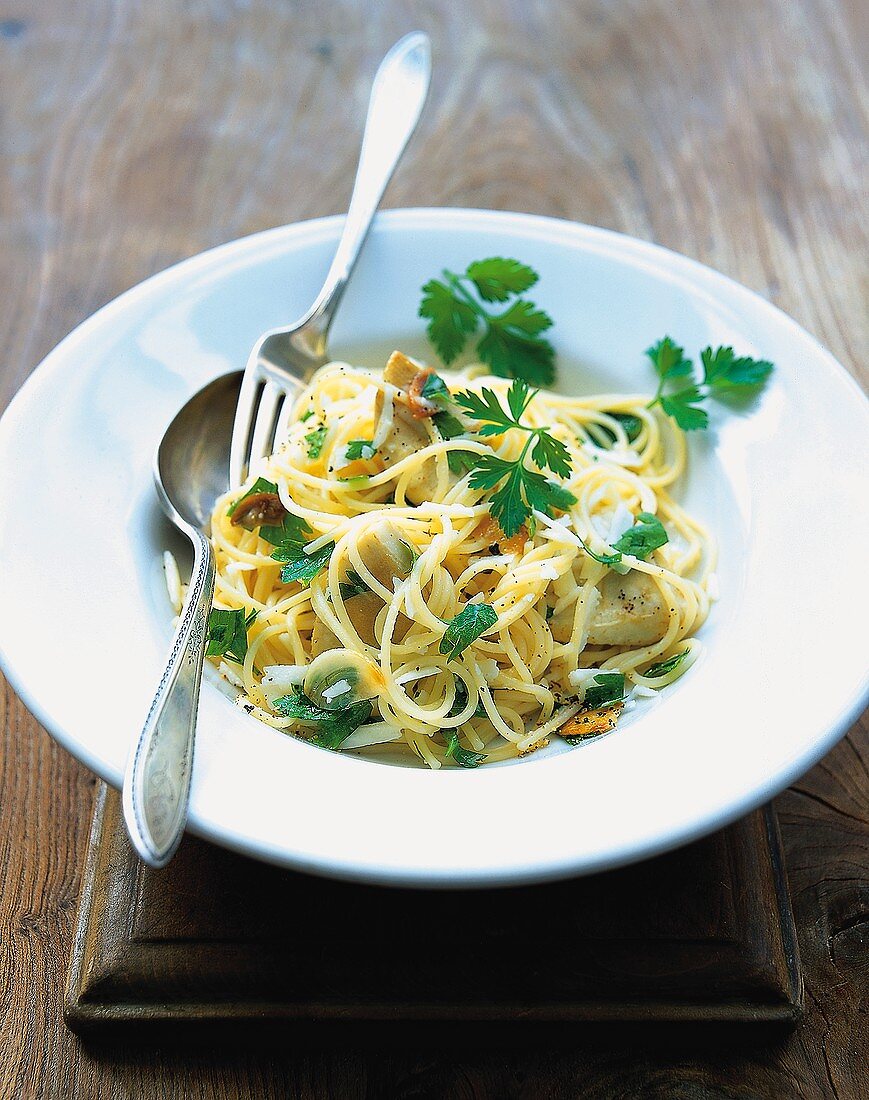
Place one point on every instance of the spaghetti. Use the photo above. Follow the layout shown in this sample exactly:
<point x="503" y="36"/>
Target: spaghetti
<point x="404" y="544"/>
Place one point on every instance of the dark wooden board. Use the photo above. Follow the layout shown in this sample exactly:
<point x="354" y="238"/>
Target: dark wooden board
<point x="133" y="134"/>
<point x="702" y="934"/>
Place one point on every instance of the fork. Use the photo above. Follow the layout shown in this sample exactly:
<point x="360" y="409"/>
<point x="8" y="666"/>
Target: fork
<point x="283" y="359"/>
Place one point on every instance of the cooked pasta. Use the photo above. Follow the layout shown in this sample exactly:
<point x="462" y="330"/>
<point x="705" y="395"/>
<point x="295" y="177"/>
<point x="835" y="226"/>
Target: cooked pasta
<point x="363" y="502"/>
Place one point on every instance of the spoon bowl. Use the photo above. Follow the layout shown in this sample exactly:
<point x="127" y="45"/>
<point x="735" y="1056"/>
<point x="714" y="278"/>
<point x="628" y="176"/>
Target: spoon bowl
<point x="191" y="466"/>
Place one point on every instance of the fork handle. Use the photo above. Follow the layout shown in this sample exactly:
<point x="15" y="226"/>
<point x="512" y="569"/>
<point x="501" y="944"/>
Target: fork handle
<point x="397" y="98"/>
<point x="157" y="779"/>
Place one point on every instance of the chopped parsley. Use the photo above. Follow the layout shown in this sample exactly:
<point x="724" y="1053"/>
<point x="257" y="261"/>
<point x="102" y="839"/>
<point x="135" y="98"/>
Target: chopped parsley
<point x="448" y="425"/>
<point x="227" y="633"/>
<point x="461" y="462"/>
<point x="663" y="667"/>
<point x="352" y="585"/>
<point x="435" y="390"/>
<point x="511" y="344"/>
<point x="647" y="534"/>
<point x="300" y="566"/>
<point x="315" y="440"/>
<point x="360" y="448"/>
<point x="332" y="727"/>
<point x="465" y="758"/>
<point x="474" y="620"/>
<point x="606" y="688"/>
<point x="632" y="426"/>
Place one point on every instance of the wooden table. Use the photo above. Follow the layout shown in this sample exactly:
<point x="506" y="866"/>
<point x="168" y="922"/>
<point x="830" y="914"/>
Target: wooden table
<point x="135" y="134"/>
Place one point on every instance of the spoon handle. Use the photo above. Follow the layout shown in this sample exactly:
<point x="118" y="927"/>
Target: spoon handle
<point x="157" y="779"/>
<point x="398" y="95"/>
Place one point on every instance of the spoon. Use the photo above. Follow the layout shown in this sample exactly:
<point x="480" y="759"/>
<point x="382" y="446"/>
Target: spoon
<point x="192" y="465"/>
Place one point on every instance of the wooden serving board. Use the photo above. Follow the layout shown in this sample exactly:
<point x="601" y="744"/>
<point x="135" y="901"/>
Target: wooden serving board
<point x="701" y="934"/>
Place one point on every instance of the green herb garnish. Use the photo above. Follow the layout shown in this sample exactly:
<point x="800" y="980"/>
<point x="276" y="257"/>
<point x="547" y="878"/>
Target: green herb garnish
<point x="631" y="424"/>
<point x="315" y="441"/>
<point x="607" y="688"/>
<point x="663" y="667"/>
<point x="523" y="490"/>
<point x="724" y="375"/>
<point x="448" y="425"/>
<point x="461" y="462"/>
<point x="300" y="566"/>
<point x="461" y="701"/>
<point x="471" y="623"/>
<point x="360" y="448"/>
<point x="435" y="389"/>
<point x="332" y="727"/>
<point x="465" y="758"/>
<point x="646" y="535"/>
<point x="227" y="633"/>
<point x="511" y="343"/>
<point x="353" y="585"/>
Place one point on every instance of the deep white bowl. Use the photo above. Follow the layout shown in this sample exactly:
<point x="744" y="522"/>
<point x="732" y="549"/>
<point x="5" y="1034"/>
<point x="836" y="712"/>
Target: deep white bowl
<point x="86" y="623"/>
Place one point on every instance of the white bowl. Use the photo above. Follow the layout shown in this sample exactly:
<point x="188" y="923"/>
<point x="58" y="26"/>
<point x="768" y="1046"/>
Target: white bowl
<point x="86" y="622"/>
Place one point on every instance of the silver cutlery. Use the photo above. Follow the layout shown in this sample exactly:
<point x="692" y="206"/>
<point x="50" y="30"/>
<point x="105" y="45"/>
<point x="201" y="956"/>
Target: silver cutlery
<point x="190" y="469"/>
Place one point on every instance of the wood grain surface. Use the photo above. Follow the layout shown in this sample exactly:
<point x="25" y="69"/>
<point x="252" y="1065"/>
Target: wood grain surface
<point x="133" y="134"/>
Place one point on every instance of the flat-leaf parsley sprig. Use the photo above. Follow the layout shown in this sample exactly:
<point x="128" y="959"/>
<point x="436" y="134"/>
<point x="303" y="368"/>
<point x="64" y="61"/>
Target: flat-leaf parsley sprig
<point x="511" y="345"/>
<point x="724" y="375"/>
<point x="523" y="490"/>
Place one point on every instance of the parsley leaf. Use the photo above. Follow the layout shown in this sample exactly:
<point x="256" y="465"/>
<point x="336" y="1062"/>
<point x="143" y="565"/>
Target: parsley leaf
<point x="646" y="535"/>
<point x="682" y="406"/>
<point x="471" y="623"/>
<point x="724" y="375"/>
<point x="551" y="452"/>
<point x="300" y="566"/>
<point x="723" y="371"/>
<point x="511" y="344"/>
<point x="360" y="448"/>
<point x="606" y="688"/>
<point x="435" y="389"/>
<point x="448" y="425"/>
<point x="227" y="633"/>
<point x="451" y="320"/>
<point x="332" y="727"/>
<point x="559" y="498"/>
<point x="524" y="490"/>
<point x="513" y="355"/>
<point x="631" y="424"/>
<point x="669" y="359"/>
<point x="460" y="462"/>
<point x="496" y="279"/>
<point x="315" y="441"/>
<point x="663" y="667"/>
<point x="352" y="585"/>
<point x="461" y="701"/>
<point x="465" y="758"/>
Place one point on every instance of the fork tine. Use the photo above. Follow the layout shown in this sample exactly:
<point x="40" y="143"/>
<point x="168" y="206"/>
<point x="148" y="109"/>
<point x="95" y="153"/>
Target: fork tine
<point x="263" y="436"/>
<point x="242" y="428"/>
